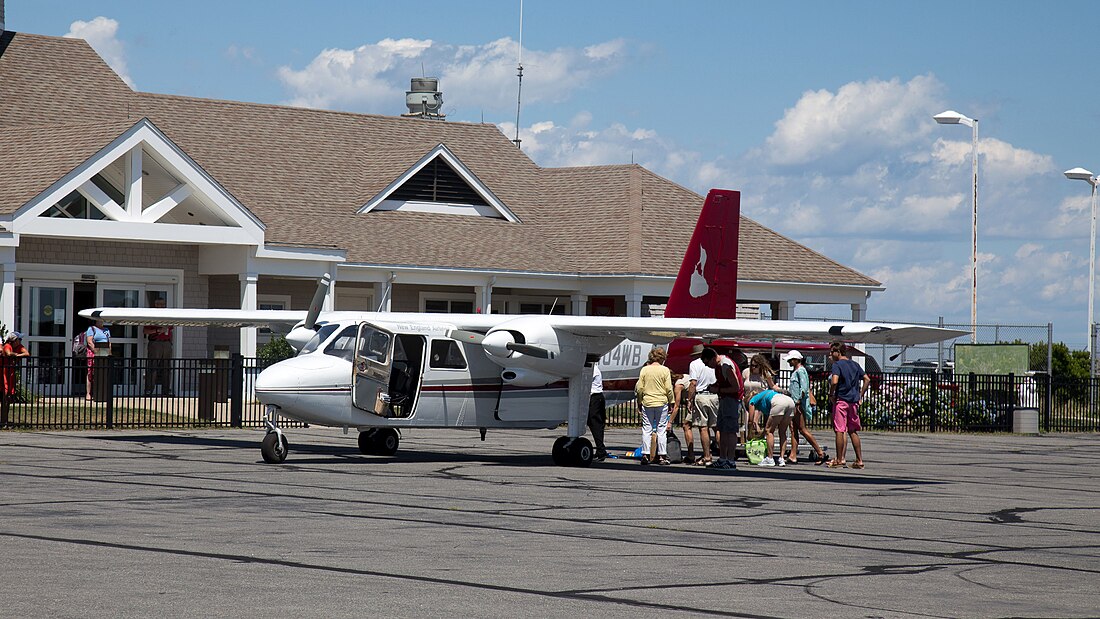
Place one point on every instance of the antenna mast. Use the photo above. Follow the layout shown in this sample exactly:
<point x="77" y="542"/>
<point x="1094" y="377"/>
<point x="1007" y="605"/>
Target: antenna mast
<point x="519" y="74"/>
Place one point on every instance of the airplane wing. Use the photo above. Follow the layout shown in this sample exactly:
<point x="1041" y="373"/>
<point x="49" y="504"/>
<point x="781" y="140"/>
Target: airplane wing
<point x="662" y="330"/>
<point x="194" y="317"/>
<point x="653" y="330"/>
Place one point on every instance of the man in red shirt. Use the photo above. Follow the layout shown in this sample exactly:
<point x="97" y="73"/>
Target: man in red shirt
<point x="13" y="349"/>
<point x="730" y="392"/>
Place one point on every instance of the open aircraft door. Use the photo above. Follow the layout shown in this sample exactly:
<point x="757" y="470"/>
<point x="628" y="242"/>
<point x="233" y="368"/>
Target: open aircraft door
<point x="373" y="362"/>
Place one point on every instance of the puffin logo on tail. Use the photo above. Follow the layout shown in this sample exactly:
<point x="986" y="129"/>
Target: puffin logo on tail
<point x="699" y="285"/>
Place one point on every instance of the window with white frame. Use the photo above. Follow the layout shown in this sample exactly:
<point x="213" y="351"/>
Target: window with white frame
<point x="446" y="303"/>
<point x="271" y="302"/>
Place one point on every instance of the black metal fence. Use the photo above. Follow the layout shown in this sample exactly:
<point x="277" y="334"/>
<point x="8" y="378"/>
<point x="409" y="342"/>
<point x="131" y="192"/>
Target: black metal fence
<point x="52" y="393"/>
<point x="944" y="402"/>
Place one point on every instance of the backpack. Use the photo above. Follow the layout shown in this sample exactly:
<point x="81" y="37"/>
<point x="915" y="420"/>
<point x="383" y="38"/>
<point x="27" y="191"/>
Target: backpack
<point x="80" y="343"/>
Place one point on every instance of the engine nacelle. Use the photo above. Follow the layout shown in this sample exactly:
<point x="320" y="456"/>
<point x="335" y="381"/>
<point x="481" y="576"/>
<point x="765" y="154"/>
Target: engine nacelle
<point x="563" y="354"/>
<point x="527" y="378"/>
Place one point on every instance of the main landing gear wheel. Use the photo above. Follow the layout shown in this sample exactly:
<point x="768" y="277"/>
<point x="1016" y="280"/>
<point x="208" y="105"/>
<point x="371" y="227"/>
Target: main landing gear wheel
<point x="386" y="441"/>
<point x="274" y="450"/>
<point x="379" y="442"/>
<point x="572" y="452"/>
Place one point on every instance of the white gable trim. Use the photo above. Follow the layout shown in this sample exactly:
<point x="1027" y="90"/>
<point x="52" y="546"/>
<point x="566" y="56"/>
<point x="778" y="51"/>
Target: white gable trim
<point x="172" y="199"/>
<point x="102" y="201"/>
<point x="498" y="207"/>
<point x="247" y="229"/>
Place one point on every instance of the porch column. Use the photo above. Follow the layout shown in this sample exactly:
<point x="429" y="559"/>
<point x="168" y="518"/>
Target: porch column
<point x="7" y="298"/>
<point x="783" y="310"/>
<point x="634" y="304"/>
<point x="859" y="312"/>
<point x="483" y="297"/>
<point x="578" y="304"/>
<point x="248" y="302"/>
<point x="383" y="294"/>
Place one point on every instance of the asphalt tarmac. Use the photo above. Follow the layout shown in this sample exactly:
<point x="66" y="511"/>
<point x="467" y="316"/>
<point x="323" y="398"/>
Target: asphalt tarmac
<point x="194" y="524"/>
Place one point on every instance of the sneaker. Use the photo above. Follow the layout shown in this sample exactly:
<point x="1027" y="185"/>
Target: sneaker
<point x="724" y="465"/>
<point x="766" y="462"/>
<point x="781" y="462"/>
<point x="645" y="460"/>
<point x="600" y="456"/>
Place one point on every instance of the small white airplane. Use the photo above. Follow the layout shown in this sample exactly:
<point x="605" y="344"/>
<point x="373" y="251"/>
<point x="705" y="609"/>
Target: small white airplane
<point x="380" y="372"/>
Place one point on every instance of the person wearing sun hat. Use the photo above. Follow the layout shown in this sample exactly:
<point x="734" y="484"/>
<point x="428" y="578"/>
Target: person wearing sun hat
<point x="800" y="393"/>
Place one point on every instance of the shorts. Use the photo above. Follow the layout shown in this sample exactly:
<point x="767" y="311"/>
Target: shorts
<point x="846" y="417"/>
<point x="782" y="406"/>
<point x="705" y="414"/>
<point x="729" y="415"/>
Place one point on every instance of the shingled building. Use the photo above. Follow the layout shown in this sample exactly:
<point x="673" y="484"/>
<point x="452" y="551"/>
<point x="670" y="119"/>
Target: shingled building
<point x="114" y="197"/>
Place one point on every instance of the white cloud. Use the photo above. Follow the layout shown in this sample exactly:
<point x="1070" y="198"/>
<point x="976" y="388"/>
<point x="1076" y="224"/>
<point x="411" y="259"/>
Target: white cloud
<point x="102" y="34"/>
<point x="857" y="117"/>
<point x="373" y="77"/>
<point x="354" y="78"/>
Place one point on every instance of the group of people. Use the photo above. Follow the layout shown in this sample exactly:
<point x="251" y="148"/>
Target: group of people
<point x="710" y="399"/>
<point x="159" y="351"/>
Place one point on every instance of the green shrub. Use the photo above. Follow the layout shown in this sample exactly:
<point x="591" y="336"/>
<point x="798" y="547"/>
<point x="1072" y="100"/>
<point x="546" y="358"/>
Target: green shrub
<point x="274" y="351"/>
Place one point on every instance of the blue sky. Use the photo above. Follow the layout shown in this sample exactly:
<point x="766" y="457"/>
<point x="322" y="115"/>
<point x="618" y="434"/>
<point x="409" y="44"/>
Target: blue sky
<point x="819" y="112"/>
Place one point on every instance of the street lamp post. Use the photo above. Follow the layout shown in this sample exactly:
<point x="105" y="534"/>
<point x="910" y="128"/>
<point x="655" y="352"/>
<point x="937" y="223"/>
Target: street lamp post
<point x="1081" y="174"/>
<point x="951" y="117"/>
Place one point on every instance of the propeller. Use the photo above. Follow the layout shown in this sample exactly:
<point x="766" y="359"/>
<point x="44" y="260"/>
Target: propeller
<point x="471" y="337"/>
<point x="318" y="302"/>
<point x="531" y="351"/>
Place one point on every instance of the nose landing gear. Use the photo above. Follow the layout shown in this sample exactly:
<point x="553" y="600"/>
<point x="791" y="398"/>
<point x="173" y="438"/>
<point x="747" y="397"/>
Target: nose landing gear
<point x="274" y="447"/>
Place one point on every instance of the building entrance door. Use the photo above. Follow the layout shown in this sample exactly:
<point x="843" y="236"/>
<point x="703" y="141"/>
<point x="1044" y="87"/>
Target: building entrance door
<point x="48" y="336"/>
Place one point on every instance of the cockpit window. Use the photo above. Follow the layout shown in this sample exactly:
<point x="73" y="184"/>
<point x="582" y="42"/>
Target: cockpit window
<point x="343" y="345"/>
<point x="447" y="355"/>
<point x="322" y="334"/>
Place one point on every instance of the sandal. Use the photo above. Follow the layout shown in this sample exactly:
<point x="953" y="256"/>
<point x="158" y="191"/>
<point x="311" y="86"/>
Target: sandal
<point x="821" y="459"/>
<point x="834" y="464"/>
<point x="702" y="462"/>
<point x="857" y="465"/>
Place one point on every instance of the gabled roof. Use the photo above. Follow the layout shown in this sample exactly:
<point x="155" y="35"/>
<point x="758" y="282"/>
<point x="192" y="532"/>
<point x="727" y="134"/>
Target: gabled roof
<point x="440" y="164"/>
<point x="307" y="173"/>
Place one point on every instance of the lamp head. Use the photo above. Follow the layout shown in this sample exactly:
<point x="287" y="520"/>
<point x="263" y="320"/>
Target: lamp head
<point x="951" y="117"/>
<point x="1081" y="174"/>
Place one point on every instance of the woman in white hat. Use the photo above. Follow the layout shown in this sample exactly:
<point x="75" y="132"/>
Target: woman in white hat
<point x="800" y="393"/>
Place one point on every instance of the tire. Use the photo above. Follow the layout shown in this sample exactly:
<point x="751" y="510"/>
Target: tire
<point x="271" y="449"/>
<point x="580" y="452"/>
<point x="558" y="452"/>
<point x="367" y="444"/>
<point x="386" y="441"/>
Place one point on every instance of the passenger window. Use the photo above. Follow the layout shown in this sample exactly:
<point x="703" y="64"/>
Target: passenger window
<point x="446" y="355"/>
<point x="343" y="345"/>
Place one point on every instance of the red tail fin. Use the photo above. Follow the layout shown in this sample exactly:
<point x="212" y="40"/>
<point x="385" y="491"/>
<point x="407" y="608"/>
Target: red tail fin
<point x="707" y="284"/>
